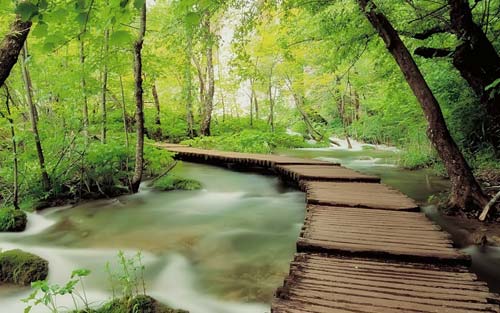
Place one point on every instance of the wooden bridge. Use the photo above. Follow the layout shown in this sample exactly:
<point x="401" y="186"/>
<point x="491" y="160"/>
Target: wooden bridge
<point x="364" y="246"/>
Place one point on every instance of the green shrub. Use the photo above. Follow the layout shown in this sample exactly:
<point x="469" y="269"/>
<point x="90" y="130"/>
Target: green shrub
<point x="22" y="268"/>
<point x="12" y="220"/>
<point x="249" y="140"/>
<point x="172" y="182"/>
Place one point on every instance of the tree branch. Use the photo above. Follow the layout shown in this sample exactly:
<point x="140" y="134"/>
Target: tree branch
<point x="430" y="32"/>
<point x="429" y="53"/>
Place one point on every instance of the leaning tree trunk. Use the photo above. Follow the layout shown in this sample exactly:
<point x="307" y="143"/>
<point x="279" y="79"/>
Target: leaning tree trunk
<point x="209" y="98"/>
<point x="478" y="63"/>
<point x="465" y="191"/>
<point x="139" y="112"/>
<point x="34" y="122"/>
<point x="11" y="47"/>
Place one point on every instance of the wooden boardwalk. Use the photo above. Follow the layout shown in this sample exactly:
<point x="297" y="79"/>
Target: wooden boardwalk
<point x="364" y="247"/>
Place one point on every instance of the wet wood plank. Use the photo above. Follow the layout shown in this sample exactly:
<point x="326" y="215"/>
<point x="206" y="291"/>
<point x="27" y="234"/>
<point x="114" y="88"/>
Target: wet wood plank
<point x="255" y="159"/>
<point x="324" y="173"/>
<point x="321" y="284"/>
<point x="360" y="195"/>
<point x="373" y="233"/>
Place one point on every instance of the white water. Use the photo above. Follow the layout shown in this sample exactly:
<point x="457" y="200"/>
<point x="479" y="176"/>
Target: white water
<point x="225" y="248"/>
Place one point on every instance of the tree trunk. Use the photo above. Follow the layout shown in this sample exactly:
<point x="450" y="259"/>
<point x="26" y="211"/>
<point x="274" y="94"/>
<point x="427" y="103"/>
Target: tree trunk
<point x="188" y="83"/>
<point x="465" y="191"/>
<point x="15" y="170"/>
<point x="209" y="98"/>
<point x="83" y="84"/>
<point x="139" y="113"/>
<point x="104" y="113"/>
<point x="158" y="134"/>
<point x="11" y="47"/>
<point x="271" y="105"/>
<point x="125" y="129"/>
<point x="478" y="62"/>
<point x="34" y="124"/>
<point x="157" y="104"/>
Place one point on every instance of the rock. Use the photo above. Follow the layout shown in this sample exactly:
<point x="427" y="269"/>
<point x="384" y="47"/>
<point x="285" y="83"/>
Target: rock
<point x="12" y="220"/>
<point x="22" y="268"/>
<point x="137" y="304"/>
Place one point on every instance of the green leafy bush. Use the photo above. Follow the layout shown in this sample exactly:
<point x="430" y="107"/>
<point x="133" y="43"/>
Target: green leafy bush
<point x="22" y="268"/>
<point x="172" y="182"/>
<point x="249" y="140"/>
<point x="12" y="220"/>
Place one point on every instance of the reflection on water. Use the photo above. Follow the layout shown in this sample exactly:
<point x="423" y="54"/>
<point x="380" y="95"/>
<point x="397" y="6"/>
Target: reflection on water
<point x="221" y="249"/>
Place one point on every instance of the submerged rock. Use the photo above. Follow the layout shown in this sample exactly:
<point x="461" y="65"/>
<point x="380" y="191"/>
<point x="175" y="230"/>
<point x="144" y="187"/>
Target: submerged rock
<point x="22" y="268"/>
<point x="12" y="220"/>
<point x="137" y="304"/>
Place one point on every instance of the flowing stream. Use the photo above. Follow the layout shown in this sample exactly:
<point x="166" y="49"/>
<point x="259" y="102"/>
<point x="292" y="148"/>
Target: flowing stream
<point x="223" y="249"/>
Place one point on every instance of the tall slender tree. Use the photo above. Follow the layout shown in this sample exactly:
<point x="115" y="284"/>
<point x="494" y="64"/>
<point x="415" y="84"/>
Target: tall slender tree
<point x="33" y="117"/>
<point x="209" y="96"/>
<point x="139" y="102"/>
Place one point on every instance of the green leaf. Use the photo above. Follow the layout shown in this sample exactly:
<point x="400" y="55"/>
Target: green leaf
<point x="81" y="18"/>
<point x="120" y="37"/>
<point x="43" y="4"/>
<point x="138" y="4"/>
<point x="26" y="10"/>
<point x="40" y="29"/>
<point x="192" y="19"/>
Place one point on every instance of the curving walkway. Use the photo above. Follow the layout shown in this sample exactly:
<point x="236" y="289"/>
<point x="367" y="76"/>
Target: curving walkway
<point x="364" y="246"/>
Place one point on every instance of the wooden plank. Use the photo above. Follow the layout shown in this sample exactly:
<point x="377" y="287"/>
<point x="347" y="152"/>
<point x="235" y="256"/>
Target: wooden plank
<point x="324" y="173"/>
<point x="359" y="195"/>
<point x="266" y="160"/>
<point x="308" y="288"/>
<point x="334" y="230"/>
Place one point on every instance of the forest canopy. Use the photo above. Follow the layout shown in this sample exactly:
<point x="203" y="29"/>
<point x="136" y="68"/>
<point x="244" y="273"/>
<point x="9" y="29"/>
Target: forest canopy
<point x="239" y="75"/>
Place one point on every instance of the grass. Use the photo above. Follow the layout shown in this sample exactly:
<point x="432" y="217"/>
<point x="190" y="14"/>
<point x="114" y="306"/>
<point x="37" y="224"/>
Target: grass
<point x="172" y="182"/>
<point x="12" y="220"/>
<point x="22" y="268"/>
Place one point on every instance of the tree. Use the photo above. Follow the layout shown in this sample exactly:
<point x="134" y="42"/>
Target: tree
<point x="33" y="117"/>
<point x="11" y="46"/>
<point x="15" y="167"/>
<point x="208" y="104"/>
<point x="465" y="190"/>
<point x="474" y="57"/>
<point x="139" y="102"/>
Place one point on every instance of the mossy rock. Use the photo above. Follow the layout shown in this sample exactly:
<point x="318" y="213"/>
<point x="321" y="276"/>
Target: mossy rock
<point x="172" y="182"/>
<point x="12" y="220"/>
<point x="22" y="268"/>
<point x="138" y="304"/>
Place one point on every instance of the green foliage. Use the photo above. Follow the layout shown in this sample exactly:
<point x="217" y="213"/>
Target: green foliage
<point x="127" y="281"/>
<point x="22" y="268"/>
<point x="248" y="141"/>
<point x="46" y="294"/>
<point x="12" y="220"/>
<point x="172" y="182"/>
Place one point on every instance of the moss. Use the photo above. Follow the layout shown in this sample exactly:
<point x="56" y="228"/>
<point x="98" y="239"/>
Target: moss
<point x="173" y="182"/>
<point x="22" y="268"/>
<point x="138" y="304"/>
<point x="12" y="220"/>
